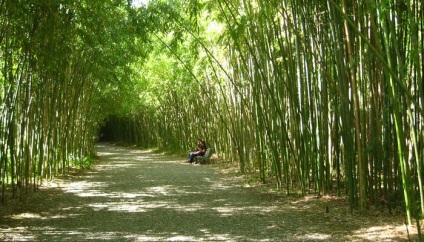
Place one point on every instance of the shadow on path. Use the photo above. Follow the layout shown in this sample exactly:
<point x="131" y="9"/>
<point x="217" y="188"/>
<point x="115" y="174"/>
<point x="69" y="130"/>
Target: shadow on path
<point x="133" y="195"/>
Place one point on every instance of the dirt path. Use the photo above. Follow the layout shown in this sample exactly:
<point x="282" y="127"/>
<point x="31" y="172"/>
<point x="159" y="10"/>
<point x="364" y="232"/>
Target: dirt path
<point x="133" y="195"/>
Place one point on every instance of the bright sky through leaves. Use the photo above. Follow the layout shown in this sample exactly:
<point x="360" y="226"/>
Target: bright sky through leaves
<point x="139" y="3"/>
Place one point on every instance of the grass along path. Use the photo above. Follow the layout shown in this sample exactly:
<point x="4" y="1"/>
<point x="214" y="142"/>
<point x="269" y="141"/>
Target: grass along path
<point x="133" y="195"/>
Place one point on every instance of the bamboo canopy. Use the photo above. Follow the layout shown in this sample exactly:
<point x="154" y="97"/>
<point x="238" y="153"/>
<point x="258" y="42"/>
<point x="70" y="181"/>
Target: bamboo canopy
<point x="317" y="97"/>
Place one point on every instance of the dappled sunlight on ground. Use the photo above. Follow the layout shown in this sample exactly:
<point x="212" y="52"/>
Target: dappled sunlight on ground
<point x="26" y="216"/>
<point x="382" y="233"/>
<point x="142" y="196"/>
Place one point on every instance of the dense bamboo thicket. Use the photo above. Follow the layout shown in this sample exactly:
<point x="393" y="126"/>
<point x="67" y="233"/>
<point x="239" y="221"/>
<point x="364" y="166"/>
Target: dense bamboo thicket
<point x="56" y="72"/>
<point x="319" y="97"/>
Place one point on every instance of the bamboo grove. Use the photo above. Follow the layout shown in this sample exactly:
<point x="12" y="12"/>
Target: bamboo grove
<point x="320" y="97"/>
<point x="57" y="71"/>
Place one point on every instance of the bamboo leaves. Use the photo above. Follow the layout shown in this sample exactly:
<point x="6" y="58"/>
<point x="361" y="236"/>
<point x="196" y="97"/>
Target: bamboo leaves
<point x="55" y="59"/>
<point x="315" y="97"/>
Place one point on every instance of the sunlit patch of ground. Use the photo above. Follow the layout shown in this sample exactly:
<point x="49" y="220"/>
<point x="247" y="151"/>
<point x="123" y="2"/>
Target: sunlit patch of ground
<point x="385" y="233"/>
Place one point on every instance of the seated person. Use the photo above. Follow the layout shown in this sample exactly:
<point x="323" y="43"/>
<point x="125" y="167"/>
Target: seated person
<point x="201" y="150"/>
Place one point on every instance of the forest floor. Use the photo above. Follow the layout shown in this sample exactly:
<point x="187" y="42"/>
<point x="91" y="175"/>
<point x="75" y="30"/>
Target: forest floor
<point x="136" y="195"/>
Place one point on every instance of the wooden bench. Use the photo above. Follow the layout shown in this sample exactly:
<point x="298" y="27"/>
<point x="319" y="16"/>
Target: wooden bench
<point x="201" y="159"/>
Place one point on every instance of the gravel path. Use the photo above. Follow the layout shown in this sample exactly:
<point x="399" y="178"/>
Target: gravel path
<point x="133" y="195"/>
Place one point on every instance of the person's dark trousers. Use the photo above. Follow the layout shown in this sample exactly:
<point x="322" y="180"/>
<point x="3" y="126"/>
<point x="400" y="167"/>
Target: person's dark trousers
<point x="192" y="155"/>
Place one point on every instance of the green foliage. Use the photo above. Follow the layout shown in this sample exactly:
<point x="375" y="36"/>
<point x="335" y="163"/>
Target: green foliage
<point x="310" y="84"/>
<point x="80" y="162"/>
<point x="65" y="66"/>
<point x="315" y="97"/>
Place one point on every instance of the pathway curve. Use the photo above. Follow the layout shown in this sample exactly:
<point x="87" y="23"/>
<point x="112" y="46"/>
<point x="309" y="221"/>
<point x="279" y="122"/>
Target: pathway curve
<point x="133" y="195"/>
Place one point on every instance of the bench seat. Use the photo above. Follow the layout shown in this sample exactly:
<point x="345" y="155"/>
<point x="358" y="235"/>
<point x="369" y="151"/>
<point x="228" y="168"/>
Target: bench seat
<point x="201" y="159"/>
